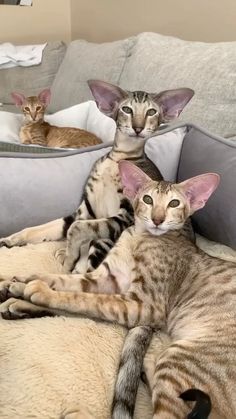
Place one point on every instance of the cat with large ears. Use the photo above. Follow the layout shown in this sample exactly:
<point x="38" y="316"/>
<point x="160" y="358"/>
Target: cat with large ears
<point x="169" y="103"/>
<point x="196" y="190"/>
<point x="35" y="130"/>
<point x="149" y="281"/>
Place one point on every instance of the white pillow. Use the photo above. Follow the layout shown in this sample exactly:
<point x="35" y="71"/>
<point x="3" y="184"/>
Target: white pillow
<point x="10" y="124"/>
<point x="164" y="151"/>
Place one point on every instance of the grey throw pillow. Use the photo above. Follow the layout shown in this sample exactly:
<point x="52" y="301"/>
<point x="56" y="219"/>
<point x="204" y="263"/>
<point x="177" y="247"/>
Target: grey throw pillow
<point x="160" y="62"/>
<point x="85" y="60"/>
<point x="30" y="80"/>
<point x="201" y="153"/>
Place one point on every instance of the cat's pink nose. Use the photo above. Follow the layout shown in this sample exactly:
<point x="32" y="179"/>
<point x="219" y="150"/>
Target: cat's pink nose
<point x="138" y="130"/>
<point x="157" y="221"/>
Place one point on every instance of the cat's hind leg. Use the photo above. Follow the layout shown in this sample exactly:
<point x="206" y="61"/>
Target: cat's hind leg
<point x="181" y="374"/>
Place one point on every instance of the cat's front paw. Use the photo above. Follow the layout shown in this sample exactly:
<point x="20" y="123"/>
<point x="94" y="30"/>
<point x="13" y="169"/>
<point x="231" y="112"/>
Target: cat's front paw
<point x="14" y="286"/>
<point x="14" y="309"/>
<point x="6" y="243"/>
<point x="13" y="240"/>
<point x="5" y="289"/>
<point x="38" y="292"/>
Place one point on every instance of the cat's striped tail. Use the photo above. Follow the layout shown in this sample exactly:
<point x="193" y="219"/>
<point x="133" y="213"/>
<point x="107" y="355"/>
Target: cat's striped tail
<point x="130" y="368"/>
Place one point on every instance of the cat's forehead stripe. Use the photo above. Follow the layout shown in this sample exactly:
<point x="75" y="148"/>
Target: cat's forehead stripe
<point x="140" y="96"/>
<point x="163" y="187"/>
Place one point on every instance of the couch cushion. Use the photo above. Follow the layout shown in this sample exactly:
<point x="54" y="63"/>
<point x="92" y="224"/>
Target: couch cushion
<point x="30" y="80"/>
<point x="160" y="62"/>
<point x="85" y="60"/>
<point x="201" y="153"/>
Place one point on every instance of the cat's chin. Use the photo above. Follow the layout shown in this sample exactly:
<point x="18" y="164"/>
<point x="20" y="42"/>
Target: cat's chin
<point x="156" y="231"/>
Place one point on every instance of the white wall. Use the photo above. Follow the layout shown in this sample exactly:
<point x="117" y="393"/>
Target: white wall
<point x="45" y="20"/>
<point x="106" y="20"/>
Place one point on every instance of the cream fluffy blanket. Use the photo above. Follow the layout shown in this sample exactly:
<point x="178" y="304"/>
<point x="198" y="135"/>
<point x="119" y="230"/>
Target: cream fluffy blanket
<point x="52" y="367"/>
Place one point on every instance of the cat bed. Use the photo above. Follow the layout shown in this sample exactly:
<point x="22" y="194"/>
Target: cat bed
<point x="85" y="115"/>
<point x="39" y="184"/>
<point x="51" y="366"/>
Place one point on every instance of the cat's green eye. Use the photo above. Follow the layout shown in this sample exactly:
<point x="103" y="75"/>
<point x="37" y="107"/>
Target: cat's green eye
<point x="148" y="199"/>
<point x="27" y="109"/>
<point x="38" y="108"/>
<point x="126" y="109"/>
<point x="174" y="203"/>
<point x="151" y="112"/>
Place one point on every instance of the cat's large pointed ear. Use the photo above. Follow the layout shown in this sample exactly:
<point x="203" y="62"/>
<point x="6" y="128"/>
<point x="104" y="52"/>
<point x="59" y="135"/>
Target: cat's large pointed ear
<point x="107" y="96"/>
<point x="132" y="178"/>
<point x="172" y="102"/>
<point x="45" y="96"/>
<point x="18" y="98"/>
<point x="198" y="189"/>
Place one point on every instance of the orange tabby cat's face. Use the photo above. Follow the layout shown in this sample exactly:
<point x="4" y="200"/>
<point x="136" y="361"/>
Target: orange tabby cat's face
<point x="33" y="107"/>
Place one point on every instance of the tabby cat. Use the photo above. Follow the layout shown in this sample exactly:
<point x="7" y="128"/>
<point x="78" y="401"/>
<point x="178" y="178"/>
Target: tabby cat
<point x="155" y="277"/>
<point x="36" y="131"/>
<point x="105" y="212"/>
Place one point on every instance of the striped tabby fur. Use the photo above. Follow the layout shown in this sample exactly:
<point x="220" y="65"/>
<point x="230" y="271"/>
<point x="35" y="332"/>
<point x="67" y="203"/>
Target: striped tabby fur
<point x="105" y="212"/>
<point x="155" y="277"/>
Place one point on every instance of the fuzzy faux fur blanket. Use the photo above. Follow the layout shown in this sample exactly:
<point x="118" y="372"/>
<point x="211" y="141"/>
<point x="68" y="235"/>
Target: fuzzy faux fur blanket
<point x="62" y="367"/>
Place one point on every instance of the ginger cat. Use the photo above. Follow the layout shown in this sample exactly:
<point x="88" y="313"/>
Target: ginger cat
<point x="36" y="131"/>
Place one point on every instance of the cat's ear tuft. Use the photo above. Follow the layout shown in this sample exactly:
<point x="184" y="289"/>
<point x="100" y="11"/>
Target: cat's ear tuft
<point x="132" y="178"/>
<point x="107" y="96"/>
<point x="18" y="98"/>
<point x="45" y="96"/>
<point x="172" y="102"/>
<point x="198" y="189"/>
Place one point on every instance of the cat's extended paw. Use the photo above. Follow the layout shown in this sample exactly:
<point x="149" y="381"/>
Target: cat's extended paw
<point x="38" y="292"/>
<point x="13" y="286"/>
<point x="4" y="289"/>
<point x="14" y="309"/>
<point x="13" y="240"/>
<point x="5" y="243"/>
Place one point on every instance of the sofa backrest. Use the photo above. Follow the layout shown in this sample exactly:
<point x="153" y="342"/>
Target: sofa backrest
<point x="154" y="62"/>
<point x="148" y="61"/>
<point x="83" y="61"/>
<point x="160" y="62"/>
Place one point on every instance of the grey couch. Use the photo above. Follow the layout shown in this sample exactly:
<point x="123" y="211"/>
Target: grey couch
<point x="149" y="62"/>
